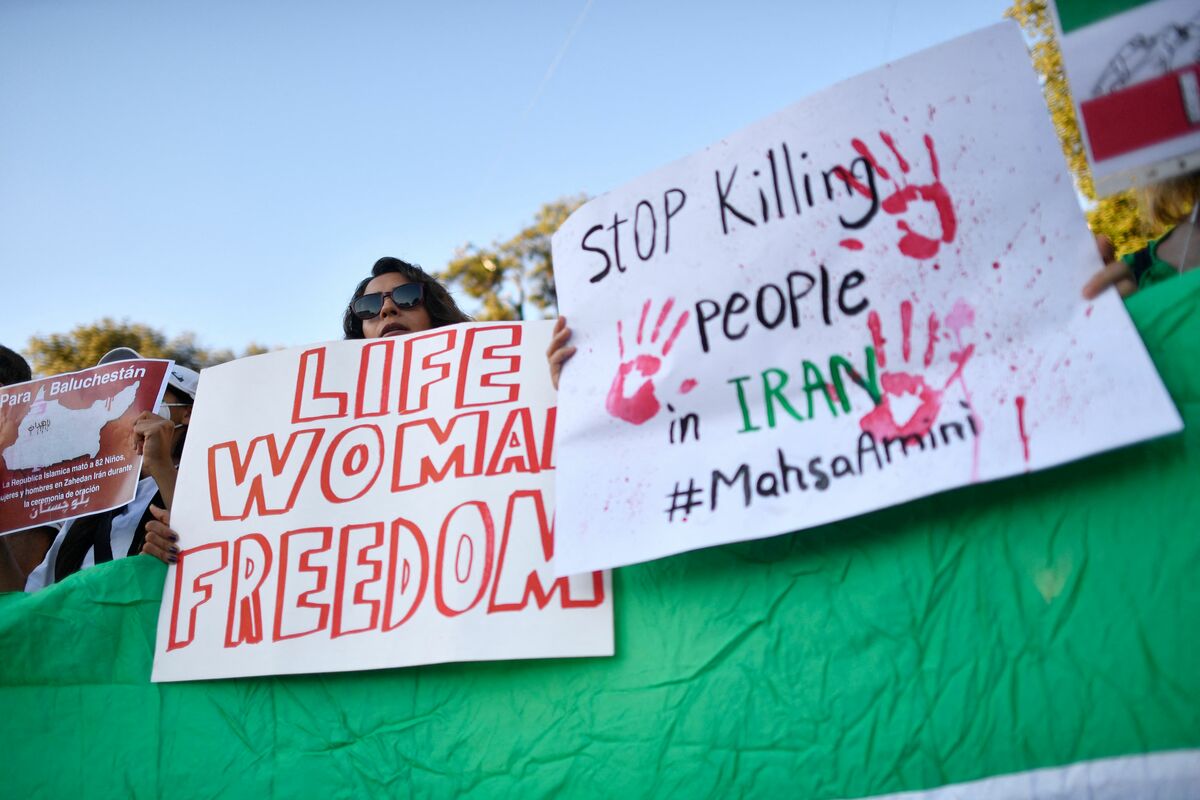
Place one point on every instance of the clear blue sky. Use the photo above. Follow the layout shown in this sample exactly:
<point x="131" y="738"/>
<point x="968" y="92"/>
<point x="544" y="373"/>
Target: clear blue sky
<point x="233" y="168"/>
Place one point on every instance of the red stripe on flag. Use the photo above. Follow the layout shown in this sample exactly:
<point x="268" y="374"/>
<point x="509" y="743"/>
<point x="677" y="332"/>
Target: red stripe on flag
<point x="1142" y="115"/>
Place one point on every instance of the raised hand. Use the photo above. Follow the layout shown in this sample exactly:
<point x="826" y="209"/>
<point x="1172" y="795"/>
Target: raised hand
<point x="920" y="244"/>
<point x="643" y="403"/>
<point x="916" y="378"/>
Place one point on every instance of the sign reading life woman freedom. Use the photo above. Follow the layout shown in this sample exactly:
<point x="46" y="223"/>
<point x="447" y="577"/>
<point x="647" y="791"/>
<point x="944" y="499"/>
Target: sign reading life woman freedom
<point x="380" y="503"/>
<point x="871" y="296"/>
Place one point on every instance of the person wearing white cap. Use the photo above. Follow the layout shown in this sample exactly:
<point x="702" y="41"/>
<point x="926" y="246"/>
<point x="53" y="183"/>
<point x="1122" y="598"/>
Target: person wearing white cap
<point x="159" y="438"/>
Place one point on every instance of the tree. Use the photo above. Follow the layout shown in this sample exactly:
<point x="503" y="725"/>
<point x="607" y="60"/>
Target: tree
<point x="515" y="277"/>
<point x="86" y="344"/>
<point x="1117" y="216"/>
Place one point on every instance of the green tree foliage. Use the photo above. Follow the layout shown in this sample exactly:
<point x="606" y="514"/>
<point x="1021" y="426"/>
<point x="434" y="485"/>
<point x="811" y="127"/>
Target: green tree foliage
<point x="513" y="278"/>
<point x="86" y="344"/>
<point x="1117" y="216"/>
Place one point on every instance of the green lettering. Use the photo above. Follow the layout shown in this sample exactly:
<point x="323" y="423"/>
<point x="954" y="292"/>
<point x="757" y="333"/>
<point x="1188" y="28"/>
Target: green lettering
<point x="773" y="394"/>
<point x="747" y="426"/>
<point x="814" y="382"/>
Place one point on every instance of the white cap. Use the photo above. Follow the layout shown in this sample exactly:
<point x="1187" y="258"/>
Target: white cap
<point x="183" y="379"/>
<point x="179" y="377"/>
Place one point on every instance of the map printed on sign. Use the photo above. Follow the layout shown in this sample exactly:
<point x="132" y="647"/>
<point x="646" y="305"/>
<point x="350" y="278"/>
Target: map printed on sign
<point x="868" y="297"/>
<point x="51" y="433"/>
<point x="66" y="447"/>
<point x="374" y="503"/>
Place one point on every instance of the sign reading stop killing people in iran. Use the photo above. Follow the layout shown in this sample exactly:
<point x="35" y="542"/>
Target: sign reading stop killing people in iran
<point x="871" y="296"/>
<point x="378" y="503"/>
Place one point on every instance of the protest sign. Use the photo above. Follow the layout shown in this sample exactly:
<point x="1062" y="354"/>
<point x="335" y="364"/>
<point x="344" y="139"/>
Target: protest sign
<point x="376" y="503"/>
<point x="66" y="442"/>
<point x="869" y="297"/>
<point x="1134" y="71"/>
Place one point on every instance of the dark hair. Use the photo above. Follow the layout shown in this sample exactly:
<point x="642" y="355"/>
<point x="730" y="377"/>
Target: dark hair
<point x="13" y="367"/>
<point x="438" y="302"/>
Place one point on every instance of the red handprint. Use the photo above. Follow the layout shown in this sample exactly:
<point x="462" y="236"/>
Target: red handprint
<point x="912" y="243"/>
<point x="643" y="404"/>
<point x="881" y="422"/>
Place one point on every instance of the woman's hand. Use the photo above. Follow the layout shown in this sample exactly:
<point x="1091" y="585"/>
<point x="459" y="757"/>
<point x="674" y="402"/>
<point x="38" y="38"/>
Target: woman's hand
<point x="161" y="542"/>
<point x="1115" y="273"/>
<point x="559" y="351"/>
<point x="153" y="437"/>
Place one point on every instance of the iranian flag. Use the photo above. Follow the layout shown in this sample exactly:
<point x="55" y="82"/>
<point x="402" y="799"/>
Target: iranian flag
<point x="1134" y="71"/>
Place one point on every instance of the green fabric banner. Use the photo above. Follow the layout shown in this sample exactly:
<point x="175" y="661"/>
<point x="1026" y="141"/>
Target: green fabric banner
<point x="1033" y="622"/>
<point x="1075" y="14"/>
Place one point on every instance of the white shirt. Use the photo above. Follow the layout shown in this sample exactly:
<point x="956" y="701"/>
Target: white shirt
<point x="124" y="526"/>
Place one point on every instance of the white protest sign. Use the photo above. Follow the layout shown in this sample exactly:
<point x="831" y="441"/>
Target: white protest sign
<point x="869" y="297"/>
<point x="379" y="503"/>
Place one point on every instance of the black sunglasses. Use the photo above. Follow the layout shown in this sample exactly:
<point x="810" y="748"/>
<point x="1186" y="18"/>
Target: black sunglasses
<point x="369" y="306"/>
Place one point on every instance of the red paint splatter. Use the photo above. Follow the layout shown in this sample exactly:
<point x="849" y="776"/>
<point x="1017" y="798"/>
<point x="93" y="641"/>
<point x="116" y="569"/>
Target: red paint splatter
<point x="851" y="244"/>
<point x="1020" y="400"/>
<point x="913" y="244"/>
<point x="861" y="148"/>
<point x="963" y="316"/>
<point x="851" y="181"/>
<point x="892" y="146"/>
<point x="643" y="404"/>
<point x="995" y="265"/>
<point x="687" y="386"/>
<point x="882" y="424"/>
<point x="933" y="334"/>
<point x="1088" y="312"/>
<point x="662" y="317"/>
<point x="683" y="318"/>
<point x="642" y="321"/>
<point x="877" y="337"/>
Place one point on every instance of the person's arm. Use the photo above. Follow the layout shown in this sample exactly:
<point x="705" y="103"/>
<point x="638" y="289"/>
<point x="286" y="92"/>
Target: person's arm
<point x="559" y="351"/>
<point x="152" y="437"/>
<point x="1115" y="273"/>
<point x="161" y="542"/>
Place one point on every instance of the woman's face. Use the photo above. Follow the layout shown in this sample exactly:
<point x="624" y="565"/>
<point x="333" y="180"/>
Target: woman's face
<point x="392" y="320"/>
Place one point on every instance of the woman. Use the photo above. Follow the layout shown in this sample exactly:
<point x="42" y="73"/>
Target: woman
<point x="397" y="298"/>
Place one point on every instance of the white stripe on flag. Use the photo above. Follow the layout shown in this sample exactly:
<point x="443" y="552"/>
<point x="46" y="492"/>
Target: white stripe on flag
<point x="1172" y="775"/>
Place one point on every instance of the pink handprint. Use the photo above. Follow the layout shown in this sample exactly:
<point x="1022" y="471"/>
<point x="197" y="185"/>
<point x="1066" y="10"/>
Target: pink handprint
<point x="912" y="243"/>
<point x="643" y="404"/>
<point x="881" y="422"/>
